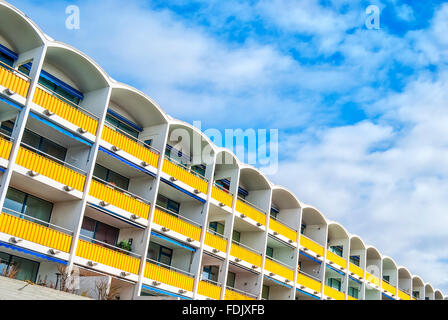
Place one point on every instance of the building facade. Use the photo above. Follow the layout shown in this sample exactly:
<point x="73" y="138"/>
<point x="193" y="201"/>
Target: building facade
<point x="94" y="177"/>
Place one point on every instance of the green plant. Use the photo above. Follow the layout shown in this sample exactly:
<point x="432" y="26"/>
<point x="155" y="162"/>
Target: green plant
<point x="124" y="245"/>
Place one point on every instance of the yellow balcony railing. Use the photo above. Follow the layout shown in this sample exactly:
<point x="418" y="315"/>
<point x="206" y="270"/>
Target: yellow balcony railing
<point x="5" y="148"/>
<point x="336" y="259"/>
<point x="119" y="199"/>
<point x="50" y="169"/>
<point x="105" y="255"/>
<point x="208" y="289"/>
<point x="250" y="211"/>
<point x="279" y="269"/>
<point x="388" y="287"/>
<point x="372" y="279"/>
<point x="311" y="245"/>
<point x="158" y="272"/>
<point x="231" y="294"/>
<point x="176" y="224"/>
<point x="65" y="110"/>
<point x="308" y="282"/>
<point x="283" y="229"/>
<point x="356" y="270"/>
<point x="222" y="196"/>
<point x="184" y="175"/>
<point x="333" y="293"/>
<point x="245" y="254"/>
<point x="9" y="79"/>
<point x="216" y="241"/>
<point x="131" y="146"/>
<point x="403" y="295"/>
<point x="34" y="232"/>
<point x="349" y="297"/>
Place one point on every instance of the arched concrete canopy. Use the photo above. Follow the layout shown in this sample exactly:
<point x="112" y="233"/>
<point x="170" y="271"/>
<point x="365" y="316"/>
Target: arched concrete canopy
<point x="389" y="264"/>
<point x="226" y="158"/>
<point x="282" y="198"/>
<point x="438" y="295"/>
<point x="429" y="290"/>
<point x="253" y="179"/>
<point x="403" y="273"/>
<point x="417" y="281"/>
<point x="143" y="110"/>
<point x="373" y="253"/>
<point x="77" y="66"/>
<point x="312" y="216"/>
<point x="356" y="243"/>
<point x="18" y="30"/>
<point x="337" y="231"/>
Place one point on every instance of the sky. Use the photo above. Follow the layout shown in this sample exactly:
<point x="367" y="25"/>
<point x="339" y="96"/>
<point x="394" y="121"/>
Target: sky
<point x="361" y="113"/>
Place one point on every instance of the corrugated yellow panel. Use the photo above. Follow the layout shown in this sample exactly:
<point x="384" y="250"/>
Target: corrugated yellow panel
<point x="282" y="229"/>
<point x="335" y="294"/>
<point x="336" y="259"/>
<point x="216" y="242"/>
<point x="119" y="199"/>
<point x="403" y="296"/>
<point x="50" y="169"/>
<point x="222" y="196"/>
<point x="209" y="290"/>
<point x="245" y="254"/>
<point x="65" y="110"/>
<point x="356" y="270"/>
<point x="308" y="282"/>
<point x="311" y="245"/>
<point x="279" y="269"/>
<point x="389" y="288"/>
<point x="250" y="211"/>
<point x="351" y="298"/>
<point x="130" y="146"/>
<point x="173" y="223"/>
<point x="170" y="277"/>
<point x="5" y="148"/>
<point x="372" y="279"/>
<point x="107" y="256"/>
<point x="183" y="175"/>
<point x="34" y="232"/>
<point x="233" y="295"/>
<point x="13" y="82"/>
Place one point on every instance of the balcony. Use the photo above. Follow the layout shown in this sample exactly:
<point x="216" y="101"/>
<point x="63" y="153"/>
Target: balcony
<point x="282" y="229"/>
<point x="222" y="195"/>
<point x="279" y="268"/>
<point x="245" y="253"/>
<point x="50" y="167"/>
<point x="333" y="293"/>
<point x="372" y="279"/>
<point x="251" y="211"/>
<point x="336" y="259"/>
<point x="209" y="289"/>
<point x="5" y="147"/>
<point x="403" y="295"/>
<point x="177" y="223"/>
<point x="14" y="80"/>
<point x="65" y="109"/>
<point x="311" y="245"/>
<point x="184" y="174"/>
<point x="309" y="282"/>
<point x="235" y="294"/>
<point x="168" y="275"/>
<point x="353" y="268"/>
<point x="119" y="198"/>
<point x="215" y="240"/>
<point x="123" y="141"/>
<point x="100" y="252"/>
<point x="388" y="287"/>
<point x="34" y="230"/>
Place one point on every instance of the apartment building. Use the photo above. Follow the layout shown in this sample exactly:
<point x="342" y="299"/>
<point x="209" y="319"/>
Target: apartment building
<point x="94" y="178"/>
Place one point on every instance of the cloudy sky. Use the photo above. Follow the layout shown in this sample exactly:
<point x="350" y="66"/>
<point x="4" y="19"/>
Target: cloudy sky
<point x="362" y="114"/>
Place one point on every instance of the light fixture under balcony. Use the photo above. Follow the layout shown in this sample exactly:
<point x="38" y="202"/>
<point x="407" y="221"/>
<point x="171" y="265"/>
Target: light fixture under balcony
<point x="352" y="274"/>
<point x="82" y="130"/>
<point x="165" y="229"/>
<point x="104" y="203"/>
<point x="115" y="149"/>
<point x="290" y="241"/>
<point x="305" y="249"/>
<point x="315" y="292"/>
<point x="259" y="224"/>
<point x="222" y="204"/>
<point x="331" y="262"/>
<point x="302" y="287"/>
<point x="181" y="291"/>
<point x="53" y="252"/>
<point x="68" y="188"/>
<point x="14" y="240"/>
<point x="254" y="266"/>
<point x="144" y="164"/>
<point x="196" y="191"/>
<point x="8" y="92"/>
<point x="173" y="179"/>
<point x="286" y="280"/>
<point x="32" y="173"/>
<point x="318" y="255"/>
<point x="242" y="216"/>
<point x="48" y="113"/>
<point x="91" y="263"/>
<point x="342" y="268"/>
<point x="237" y="260"/>
<point x="271" y="274"/>
<point x="190" y="240"/>
<point x="155" y="283"/>
<point x="134" y="217"/>
<point x="124" y="273"/>
<point x="215" y="250"/>
<point x="276" y="233"/>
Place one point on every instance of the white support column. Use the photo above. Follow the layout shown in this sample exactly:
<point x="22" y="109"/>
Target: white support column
<point x="297" y="253"/>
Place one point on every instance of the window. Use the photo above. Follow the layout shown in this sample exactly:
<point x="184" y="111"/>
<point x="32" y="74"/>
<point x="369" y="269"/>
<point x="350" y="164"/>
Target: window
<point x="111" y="176"/>
<point x="334" y="283"/>
<point x="231" y="279"/>
<point x="122" y="125"/>
<point x="274" y="213"/>
<point x="223" y="184"/>
<point x="210" y="273"/>
<point x="177" y="155"/>
<point x="27" y="269"/>
<point x="353" y="292"/>
<point x="6" y="59"/>
<point x="200" y="169"/>
<point x="27" y="204"/>
<point x="47" y="83"/>
<point x="7" y="127"/>
<point x="354" y="260"/>
<point x="336" y="250"/>
<point x="416" y="294"/>
<point x="217" y="227"/>
<point x="169" y="204"/>
<point x="43" y="144"/>
<point x="99" y="231"/>
<point x="265" y="292"/>
<point x="270" y="252"/>
<point x="160" y="253"/>
<point x="386" y="278"/>
<point x="236" y="236"/>
<point x="148" y="142"/>
<point x="302" y="228"/>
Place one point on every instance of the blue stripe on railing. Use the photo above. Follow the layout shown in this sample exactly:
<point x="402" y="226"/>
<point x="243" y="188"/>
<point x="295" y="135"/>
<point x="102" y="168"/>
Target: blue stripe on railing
<point x="177" y="243"/>
<point x="334" y="269"/>
<point x="129" y="163"/>
<point x="308" y="294"/>
<point x="309" y="257"/>
<point x="128" y="122"/>
<point x="114" y="215"/>
<point x="9" y="52"/>
<point x="390" y="298"/>
<point x="279" y="282"/>
<point x="34" y="253"/>
<point x="164" y="292"/>
<point x="356" y="280"/>
<point x="11" y="103"/>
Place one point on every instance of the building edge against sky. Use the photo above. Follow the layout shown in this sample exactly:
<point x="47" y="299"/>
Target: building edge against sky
<point x="87" y="180"/>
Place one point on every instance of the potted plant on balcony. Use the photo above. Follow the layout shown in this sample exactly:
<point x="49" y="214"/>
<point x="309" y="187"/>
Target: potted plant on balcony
<point x="125" y="245"/>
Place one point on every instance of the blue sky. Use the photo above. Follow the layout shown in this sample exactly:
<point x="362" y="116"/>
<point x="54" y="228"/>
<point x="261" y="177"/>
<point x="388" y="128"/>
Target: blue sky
<point x="361" y="113"/>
